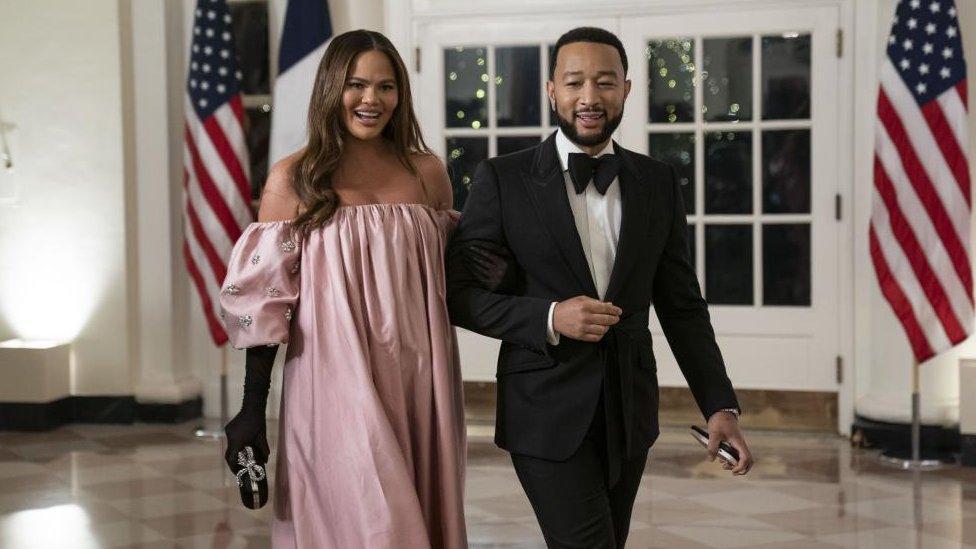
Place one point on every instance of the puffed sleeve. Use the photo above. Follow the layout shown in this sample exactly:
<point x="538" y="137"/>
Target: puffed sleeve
<point x="259" y="295"/>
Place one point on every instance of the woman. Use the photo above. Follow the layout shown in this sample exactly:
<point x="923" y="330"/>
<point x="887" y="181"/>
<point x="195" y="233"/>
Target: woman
<point x="345" y="264"/>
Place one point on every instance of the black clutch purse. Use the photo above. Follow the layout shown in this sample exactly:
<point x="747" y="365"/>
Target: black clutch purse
<point x="252" y="479"/>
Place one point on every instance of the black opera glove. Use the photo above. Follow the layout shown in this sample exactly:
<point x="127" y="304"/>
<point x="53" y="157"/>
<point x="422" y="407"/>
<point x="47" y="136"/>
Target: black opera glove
<point x="490" y="263"/>
<point x="248" y="428"/>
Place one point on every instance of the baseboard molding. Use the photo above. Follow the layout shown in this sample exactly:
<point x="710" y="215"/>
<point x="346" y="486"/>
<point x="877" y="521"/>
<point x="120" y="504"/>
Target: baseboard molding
<point x="807" y="411"/>
<point x="34" y="416"/>
<point x="44" y="416"/>
<point x="170" y="413"/>
<point x="967" y="448"/>
<point x="762" y="409"/>
<point x="870" y="433"/>
<point x="103" y="409"/>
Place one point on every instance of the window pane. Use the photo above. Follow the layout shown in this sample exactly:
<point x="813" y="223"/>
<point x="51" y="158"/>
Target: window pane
<point x="678" y="149"/>
<point x="728" y="264"/>
<point x="465" y="87"/>
<point x="250" y="23"/>
<point x="728" y="172"/>
<point x="728" y="88"/>
<point x="671" y="70"/>
<point x="257" y="129"/>
<point x="786" y="171"/>
<point x="786" y="77"/>
<point x="517" y="78"/>
<point x="463" y="155"/>
<point x="786" y="264"/>
<point x="510" y="144"/>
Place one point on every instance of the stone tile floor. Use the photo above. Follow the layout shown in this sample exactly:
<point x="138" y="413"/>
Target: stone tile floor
<point x="155" y="486"/>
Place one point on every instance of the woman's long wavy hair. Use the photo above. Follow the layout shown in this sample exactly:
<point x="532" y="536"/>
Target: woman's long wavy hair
<point x="312" y="172"/>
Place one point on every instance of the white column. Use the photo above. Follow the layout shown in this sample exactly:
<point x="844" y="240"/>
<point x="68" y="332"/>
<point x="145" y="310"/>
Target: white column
<point x="164" y="375"/>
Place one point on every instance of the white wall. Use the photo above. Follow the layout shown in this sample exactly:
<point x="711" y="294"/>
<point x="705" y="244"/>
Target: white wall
<point x="62" y="238"/>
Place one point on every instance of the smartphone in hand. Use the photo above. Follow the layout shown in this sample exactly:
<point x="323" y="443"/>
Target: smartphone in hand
<point x="726" y="452"/>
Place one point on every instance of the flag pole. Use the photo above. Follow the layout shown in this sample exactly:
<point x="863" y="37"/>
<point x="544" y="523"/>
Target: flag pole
<point x="916" y="416"/>
<point x="223" y="387"/>
<point x="914" y="460"/>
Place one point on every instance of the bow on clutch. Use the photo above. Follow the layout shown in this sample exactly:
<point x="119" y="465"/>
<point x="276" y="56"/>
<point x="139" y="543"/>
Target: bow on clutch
<point x="254" y="491"/>
<point x="251" y="468"/>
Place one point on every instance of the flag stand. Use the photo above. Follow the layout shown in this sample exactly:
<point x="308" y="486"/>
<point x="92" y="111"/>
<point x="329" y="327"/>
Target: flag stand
<point x="913" y="461"/>
<point x="217" y="434"/>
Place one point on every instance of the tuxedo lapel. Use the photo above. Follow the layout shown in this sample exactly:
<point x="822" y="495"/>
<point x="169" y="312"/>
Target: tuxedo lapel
<point x="635" y="197"/>
<point x="547" y="188"/>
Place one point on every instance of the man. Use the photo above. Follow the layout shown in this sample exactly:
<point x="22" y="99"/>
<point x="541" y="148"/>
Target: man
<point x="560" y="252"/>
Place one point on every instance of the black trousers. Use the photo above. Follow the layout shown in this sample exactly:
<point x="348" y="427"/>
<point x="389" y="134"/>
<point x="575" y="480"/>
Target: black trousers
<point x="573" y="500"/>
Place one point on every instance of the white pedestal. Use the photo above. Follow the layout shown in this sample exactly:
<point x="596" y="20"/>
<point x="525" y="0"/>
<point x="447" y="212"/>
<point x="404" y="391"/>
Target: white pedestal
<point x="34" y="371"/>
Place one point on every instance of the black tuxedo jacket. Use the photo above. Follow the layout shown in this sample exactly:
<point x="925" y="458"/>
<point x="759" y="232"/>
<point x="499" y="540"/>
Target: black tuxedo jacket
<point x="547" y="394"/>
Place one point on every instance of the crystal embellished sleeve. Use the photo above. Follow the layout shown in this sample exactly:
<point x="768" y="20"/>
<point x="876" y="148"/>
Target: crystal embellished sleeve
<point x="259" y="295"/>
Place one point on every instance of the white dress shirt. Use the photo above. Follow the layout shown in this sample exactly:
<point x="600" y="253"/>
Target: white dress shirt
<point x="597" y="219"/>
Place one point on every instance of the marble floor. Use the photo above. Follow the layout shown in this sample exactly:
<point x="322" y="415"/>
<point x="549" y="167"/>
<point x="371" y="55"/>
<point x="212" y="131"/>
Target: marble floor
<point x="155" y="486"/>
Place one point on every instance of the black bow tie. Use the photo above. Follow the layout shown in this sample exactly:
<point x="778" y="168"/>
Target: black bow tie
<point x="601" y="170"/>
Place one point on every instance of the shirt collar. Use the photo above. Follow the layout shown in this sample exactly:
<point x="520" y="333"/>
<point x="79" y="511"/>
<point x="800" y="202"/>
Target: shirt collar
<point x="564" y="146"/>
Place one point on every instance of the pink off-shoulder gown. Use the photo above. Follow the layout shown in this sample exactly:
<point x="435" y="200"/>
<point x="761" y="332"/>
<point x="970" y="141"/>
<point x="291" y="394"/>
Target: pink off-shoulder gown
<point x="371" y="447"/>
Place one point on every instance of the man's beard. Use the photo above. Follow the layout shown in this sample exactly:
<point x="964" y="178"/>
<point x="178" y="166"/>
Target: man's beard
<point x="569" y="130"/>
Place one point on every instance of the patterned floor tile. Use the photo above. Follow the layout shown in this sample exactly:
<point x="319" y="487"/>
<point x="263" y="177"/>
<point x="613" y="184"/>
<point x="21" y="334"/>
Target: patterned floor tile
<point x="89" y="475"/>
<point x="136" y="488"/>
<point x="156" y="486"/>
<point x="963" y="531"/>
<point x="890" y="538"/>
<point x="165" y="505"/>
<point x="734" y="532"/>
<point x="751" y="501"/>
<point x="905" y="510"/>
<point x="820" y="521"/>
<point x="209" y="522"/>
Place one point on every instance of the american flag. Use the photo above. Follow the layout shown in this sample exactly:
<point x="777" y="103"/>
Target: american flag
<point x="215" y="160"/>
<point x="920" y="219"/>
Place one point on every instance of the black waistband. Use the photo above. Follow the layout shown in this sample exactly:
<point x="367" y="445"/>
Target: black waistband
<point x="620" y="352"/>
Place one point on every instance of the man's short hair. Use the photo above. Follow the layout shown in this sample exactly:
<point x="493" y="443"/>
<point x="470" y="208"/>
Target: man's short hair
<point x="587" y="34"/>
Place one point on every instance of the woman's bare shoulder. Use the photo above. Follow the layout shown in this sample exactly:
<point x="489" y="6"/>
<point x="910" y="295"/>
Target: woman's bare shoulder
<point x="434" y="175"/>
<point x="279" y="201"/>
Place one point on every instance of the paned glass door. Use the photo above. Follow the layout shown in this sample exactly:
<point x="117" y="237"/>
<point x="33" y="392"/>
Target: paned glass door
<point x="743" y="105"/>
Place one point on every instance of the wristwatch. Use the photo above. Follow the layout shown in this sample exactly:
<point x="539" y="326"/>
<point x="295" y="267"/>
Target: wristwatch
<point x="734" y="411"/>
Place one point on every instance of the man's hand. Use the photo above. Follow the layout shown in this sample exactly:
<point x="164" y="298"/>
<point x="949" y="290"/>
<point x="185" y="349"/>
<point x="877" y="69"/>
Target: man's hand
<point x="584" y="318"/>
<point x="724" y="426"/>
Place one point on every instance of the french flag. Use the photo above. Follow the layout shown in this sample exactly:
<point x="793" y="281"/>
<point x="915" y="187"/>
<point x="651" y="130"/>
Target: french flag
<point x="304" y="38"/>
